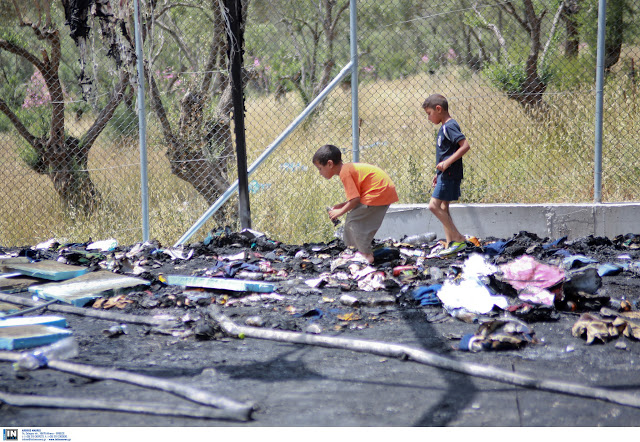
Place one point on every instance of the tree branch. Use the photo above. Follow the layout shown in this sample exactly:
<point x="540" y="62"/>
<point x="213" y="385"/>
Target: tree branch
<point x="494" y="29"/>
<point x="22" y="52"/>
<point x="161" y="113"/>
<point x="166" y="8"/>
<point x="343" y="8"/>
<point x="424" y="357"/>
<point x="556" y="20"/>
<point x="216" y="48"/>
<point x="181" y="44"/>
<point x="511" y="10"/>
<point x="105" y="115"/>
<point x="13" y="118"/>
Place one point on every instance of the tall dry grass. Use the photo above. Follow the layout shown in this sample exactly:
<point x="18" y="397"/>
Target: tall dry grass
<point x="514" y="158"/>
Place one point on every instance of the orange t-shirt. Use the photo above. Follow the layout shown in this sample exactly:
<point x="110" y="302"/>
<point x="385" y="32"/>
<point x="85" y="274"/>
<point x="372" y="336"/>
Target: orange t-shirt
<point x="370" y="183"/>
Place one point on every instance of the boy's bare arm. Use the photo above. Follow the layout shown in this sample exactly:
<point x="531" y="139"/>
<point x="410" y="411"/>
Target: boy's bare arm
<point x="338" y="206"/>
<point x="464" y="148"/>
<point x="340" y="209"/>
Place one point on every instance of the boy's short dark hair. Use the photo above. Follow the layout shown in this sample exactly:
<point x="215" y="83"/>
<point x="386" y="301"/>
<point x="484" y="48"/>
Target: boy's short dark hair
<point x="434" y="100"/>
<point x="326" y="153"/>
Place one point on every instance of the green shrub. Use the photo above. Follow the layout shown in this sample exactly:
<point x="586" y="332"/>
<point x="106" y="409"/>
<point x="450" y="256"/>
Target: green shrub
<point x="510" y="78"/>
<point x="124" y="122"/>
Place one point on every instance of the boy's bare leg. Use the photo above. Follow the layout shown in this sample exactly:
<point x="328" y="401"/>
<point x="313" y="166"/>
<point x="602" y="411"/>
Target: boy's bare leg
<point x="367" y="256"/>
<point x="440" y="209"/>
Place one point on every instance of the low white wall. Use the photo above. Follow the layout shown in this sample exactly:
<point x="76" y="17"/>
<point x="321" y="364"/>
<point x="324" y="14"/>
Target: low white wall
<point x="505" y="220"/>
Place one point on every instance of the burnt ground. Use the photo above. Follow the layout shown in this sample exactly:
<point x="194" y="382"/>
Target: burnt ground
<point x="293" y="385"/>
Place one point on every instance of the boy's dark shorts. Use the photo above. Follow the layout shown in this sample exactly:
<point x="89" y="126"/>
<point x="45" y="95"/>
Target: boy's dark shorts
<point x="446" y="190"/>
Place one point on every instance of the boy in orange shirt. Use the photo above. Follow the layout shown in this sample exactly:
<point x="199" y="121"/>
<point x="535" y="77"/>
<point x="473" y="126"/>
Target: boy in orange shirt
<point x="369" y="192"/>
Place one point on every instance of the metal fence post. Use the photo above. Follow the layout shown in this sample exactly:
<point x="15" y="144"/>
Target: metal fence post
<point x="142" y="129"/>
<point x="597" y="183"/>
<point x="355" y="119"/>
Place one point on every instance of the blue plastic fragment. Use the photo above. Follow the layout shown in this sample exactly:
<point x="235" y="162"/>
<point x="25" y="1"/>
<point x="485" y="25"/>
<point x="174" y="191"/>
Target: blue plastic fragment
<point x="220" y="283"/>
<point x="554" y="244"/>
<point x="466" y="341"/>
<point x="562" y="252"/>
<point x="29" y="336"/>
<point x="576" y="261"/>
<point x="55" y="321"/>
<point x="51" y="270"/>
<point x="609" y="269"/>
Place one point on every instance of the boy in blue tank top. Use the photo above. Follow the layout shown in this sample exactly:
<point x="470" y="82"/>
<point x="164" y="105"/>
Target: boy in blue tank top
<point x="450" y="147"/>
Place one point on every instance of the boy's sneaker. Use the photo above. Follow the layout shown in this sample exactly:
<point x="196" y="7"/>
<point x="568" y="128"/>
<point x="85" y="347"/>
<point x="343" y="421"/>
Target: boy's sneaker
<point x="453" y="249"/>
<point x="435" y="251"/>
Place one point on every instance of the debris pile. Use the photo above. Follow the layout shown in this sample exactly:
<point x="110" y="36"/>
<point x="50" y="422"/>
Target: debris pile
<point x="503" y="287"/>
<point x="495" y="283"/>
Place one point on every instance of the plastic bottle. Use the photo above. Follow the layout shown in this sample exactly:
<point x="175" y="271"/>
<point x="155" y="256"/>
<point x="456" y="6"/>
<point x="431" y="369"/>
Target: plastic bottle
<point x="64" y="349"/>
<point x="436" y="273"/>
<point x="334" y="221"/>
<point x="420" y="239"/>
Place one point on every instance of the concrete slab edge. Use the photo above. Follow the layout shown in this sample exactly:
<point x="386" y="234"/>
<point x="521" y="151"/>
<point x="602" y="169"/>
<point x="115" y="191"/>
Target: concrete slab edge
<point x="505" y="220"/>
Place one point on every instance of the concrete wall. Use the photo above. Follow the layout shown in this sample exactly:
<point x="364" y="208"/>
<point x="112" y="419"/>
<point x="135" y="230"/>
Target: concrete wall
<point x="505" y="220"/>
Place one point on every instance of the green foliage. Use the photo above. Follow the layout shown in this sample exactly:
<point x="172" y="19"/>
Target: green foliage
<point x="124" y="122"/>
<point x="284" y="65"/>
<point x="506" y="77"/>
<point x="394" y="65"/>
<point x="36" y="119"/>
<point x="12" y="36"/>
<point x="474" y="186"/>
<point x="621" y="25"/>
<point x="12" y="92"/>
<point x="510" y="78"/>
<point x="5" y="124"/>
<point x="78" y="108"/>
<point x="12" y="89"/>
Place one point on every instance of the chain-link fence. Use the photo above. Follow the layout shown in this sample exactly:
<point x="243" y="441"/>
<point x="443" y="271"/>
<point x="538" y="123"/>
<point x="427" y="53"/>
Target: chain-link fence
<point x="520" y="77"/>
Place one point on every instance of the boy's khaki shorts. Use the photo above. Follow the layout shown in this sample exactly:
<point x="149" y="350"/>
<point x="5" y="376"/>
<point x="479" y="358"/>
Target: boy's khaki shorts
<point x="361" y="225"/>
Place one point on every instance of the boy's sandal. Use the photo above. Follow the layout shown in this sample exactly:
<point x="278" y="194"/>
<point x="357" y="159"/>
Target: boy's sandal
<point x="453" y="248"/>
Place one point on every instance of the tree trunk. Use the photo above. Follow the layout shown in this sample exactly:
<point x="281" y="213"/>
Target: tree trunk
<point x="569" y="14"/>
<point x="532" y="88"/>
<point x="615" y="33"/>
<point x="68" y="170"/>
<point x="201" y="148"/>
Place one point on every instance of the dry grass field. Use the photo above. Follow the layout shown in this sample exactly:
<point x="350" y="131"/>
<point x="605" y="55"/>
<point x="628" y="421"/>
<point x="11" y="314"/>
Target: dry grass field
<point x="514" y="158"/>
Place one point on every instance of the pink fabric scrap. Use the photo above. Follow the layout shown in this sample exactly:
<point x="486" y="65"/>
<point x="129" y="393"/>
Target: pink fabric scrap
<point x="537" y="295"/>
<point x="527" y="272"/>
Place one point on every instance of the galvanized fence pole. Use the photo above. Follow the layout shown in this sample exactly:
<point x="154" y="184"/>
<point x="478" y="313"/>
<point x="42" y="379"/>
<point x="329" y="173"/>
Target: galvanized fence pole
<point x="142" y="129"/>
<point x="355" y="119"/>
<point x="597" y="183"/>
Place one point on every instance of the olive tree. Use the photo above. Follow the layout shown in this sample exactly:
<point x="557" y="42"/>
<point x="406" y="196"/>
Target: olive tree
<point x="51" y="150"/>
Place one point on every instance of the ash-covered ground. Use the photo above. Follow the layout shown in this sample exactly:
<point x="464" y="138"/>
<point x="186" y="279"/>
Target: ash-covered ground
<point x="575" y="322"/>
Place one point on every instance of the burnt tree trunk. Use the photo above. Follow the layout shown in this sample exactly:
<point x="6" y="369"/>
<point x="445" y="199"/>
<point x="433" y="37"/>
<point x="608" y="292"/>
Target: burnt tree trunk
<point x="67" y="167"/>
<point x="200" y="149"/>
